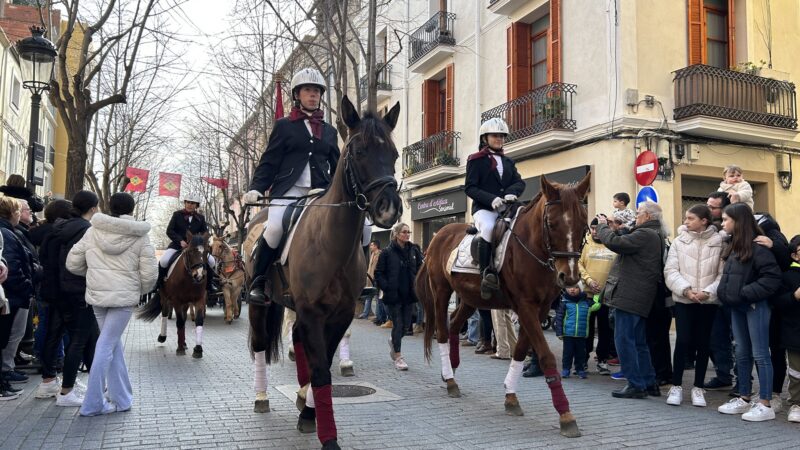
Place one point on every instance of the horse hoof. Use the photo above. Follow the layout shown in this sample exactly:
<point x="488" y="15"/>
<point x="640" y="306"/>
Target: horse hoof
<point x="291" y="354"/>
<point x="300" y="403"/>
<point x="514" y="410"/>
<point x="180" y="351"/>
<point x="197" y="352"/>
<point x="228" y="321"/>
<point x="570" y="429"/>
<point x="306" y="425"/>
<point x="331" y="445"/>
<point x="346" y="368"/>
<point x="162" y="339"/>
<point x="261" y="406"/>
<point x="452" y="389"/>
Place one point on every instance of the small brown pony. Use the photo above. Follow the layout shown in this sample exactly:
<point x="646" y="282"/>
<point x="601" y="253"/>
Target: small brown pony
<point x="185" y="286"/>
<point x="542" y="255"/>
<point x="326" y="266"/>
<point x="230" y="269"/>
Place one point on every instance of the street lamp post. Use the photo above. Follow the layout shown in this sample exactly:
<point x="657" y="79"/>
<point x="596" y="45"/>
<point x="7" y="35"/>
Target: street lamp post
<point x="38" y="55"/>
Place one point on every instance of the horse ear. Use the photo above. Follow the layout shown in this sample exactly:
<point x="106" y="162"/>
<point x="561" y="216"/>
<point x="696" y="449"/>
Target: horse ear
<point x="550" y="192"/>
<point x="583" y="186"/>
<point x="391" y="117"/>
<point x="349" y="113"/>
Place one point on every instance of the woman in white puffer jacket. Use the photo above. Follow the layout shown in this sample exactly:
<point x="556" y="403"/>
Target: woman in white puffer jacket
<point x="119" y="263"/>
<point x="692" y="272"/>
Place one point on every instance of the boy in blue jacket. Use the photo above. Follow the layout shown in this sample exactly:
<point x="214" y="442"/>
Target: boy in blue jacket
<point x="572" y="326"/>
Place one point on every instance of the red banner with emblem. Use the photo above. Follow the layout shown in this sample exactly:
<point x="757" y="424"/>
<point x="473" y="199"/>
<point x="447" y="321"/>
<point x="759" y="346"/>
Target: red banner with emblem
<point x="278" y="101"/>
<point x="137" y="179"/>
<point x="221" y="183"/>
<point x="169" y="184"/>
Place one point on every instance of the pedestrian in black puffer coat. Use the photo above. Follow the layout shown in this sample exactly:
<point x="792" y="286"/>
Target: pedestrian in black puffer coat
<point x="395" y="273"/>
<point x="15" y="187"/>
<point x="787" y="308"/>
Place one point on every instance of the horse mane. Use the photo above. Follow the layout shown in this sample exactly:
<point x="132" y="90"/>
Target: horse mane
<point x="197" y="241"/>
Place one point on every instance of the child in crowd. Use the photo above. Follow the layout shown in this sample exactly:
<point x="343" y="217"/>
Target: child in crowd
<point x="620" y="203"/>
<point x="733" y="183"/>
<point x="787" y="305"/>
<point x="572" y="326"/>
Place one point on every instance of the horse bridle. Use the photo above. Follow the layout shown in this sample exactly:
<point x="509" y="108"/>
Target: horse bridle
<point x="356" y="188"/>
<point x="551" y="254"/>
<point x="193" y="267"/>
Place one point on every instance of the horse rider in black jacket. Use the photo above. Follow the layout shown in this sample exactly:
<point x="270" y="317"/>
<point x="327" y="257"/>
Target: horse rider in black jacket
<point x="492" y="181"/>
<point x="183" y="220"/>
<point x="301" y="155"/>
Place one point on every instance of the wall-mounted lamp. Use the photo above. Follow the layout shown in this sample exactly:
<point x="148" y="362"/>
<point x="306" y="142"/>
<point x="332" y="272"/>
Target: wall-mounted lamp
<point x="784" y="169"/>
<point x="680" y="151"/>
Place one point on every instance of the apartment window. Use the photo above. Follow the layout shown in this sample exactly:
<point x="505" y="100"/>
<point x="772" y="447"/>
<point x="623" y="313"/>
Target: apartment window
<point x="380" y="48"/>
<point x="437" y="103"/>
<point x="711" y="33"/>
<point x="534" y="52"/>
<point x="11" y="162"/>
<point x="539" y="40"/>
<point x="442" y="106"/>
<point x="16" y="87"/>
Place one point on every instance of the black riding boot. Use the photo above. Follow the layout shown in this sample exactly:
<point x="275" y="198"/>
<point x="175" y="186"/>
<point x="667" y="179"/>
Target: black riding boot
<point x="489" y="281"/>
<point x="263" y="259"/>
<point x="162" y="273"/>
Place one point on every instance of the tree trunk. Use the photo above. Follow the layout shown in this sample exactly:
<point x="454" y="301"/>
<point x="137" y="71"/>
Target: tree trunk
<point x="76" y="164"/>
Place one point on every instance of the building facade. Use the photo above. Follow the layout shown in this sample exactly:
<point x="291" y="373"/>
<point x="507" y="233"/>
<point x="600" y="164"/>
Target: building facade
<point x="588" y="86"/>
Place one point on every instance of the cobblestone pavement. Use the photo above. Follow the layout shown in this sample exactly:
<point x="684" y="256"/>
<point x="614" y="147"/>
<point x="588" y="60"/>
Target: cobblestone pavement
<point x="181" y="402"/>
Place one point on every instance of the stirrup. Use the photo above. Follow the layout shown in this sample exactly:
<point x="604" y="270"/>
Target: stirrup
<point x="489" y="280"/>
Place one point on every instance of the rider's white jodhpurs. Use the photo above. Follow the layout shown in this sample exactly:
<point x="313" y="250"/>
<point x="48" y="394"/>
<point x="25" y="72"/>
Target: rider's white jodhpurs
<point x="164" y="261"/>
<point x="484" y="222"/>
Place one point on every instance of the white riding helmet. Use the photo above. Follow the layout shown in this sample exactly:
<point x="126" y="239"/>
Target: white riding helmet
<point x="194" y="198"/>
<point x="308" y="76"/>
<point x="495" y="125"/>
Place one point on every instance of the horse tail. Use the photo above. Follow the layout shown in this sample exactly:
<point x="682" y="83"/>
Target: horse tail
<point x="151" y="309"/>
<point x="425" y="296"/>
<point x="272" y="330"/>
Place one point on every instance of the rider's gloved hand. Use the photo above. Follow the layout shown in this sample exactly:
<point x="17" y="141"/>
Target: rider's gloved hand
<point x="510" y="198"/>
<point x="497" y="203"/>
<point x="251" y="196"/>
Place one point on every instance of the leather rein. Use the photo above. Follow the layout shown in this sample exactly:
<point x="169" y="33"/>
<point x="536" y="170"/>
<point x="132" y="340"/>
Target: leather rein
<point x="550" y="254"/>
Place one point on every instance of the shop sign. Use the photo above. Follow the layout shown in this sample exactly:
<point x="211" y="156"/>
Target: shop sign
<point x="442" y="204"/>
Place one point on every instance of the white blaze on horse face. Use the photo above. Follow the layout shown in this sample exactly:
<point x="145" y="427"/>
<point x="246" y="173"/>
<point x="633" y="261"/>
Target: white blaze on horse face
<point x="570" y="247"/>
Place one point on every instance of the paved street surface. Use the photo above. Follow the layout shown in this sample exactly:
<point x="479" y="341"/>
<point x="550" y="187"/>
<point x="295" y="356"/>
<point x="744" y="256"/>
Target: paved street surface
<point x="181" y="402"/>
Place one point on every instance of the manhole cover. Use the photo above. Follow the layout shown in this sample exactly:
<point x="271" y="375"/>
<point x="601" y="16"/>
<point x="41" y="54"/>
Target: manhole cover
<point x="350" y="390"/>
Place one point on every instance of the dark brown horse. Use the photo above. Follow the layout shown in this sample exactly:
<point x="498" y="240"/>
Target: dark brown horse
<point x="185" y="286"/>
<point x="542" y="256"/>
<point x="326" y="266"/>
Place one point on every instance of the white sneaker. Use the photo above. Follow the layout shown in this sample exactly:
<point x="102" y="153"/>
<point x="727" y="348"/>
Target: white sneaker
<point x="776" y="403"/>
<point x="794" y="413"/>
<point x="400" y="363"/>
<point x="759" y="413"/>
<point x="734" y="406"/>
<point x="80" y="387"/>
<point x="71" y="399"/>
<point x="698" y="396"/>
<point x="49" y="389"/>
<point x="675" y="396"/>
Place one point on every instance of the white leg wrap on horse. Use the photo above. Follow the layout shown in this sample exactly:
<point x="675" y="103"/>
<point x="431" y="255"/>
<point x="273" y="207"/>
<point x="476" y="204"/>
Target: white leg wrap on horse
<point x="344" y="349"/>
<point x="447" y="368"/>
<point x="310" y="398"/>
<point x="163" y="326"/>
<point x="260" y="364"/>
<point x="512" y="377"/>
<point x="198" y="331"/>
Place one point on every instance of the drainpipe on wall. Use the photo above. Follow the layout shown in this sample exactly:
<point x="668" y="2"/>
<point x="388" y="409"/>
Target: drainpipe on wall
<point x="405" y="72"/>
<point x="478" y="108"/>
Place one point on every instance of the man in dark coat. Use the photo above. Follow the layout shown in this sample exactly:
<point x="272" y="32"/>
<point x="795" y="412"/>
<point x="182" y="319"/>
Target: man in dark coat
<point x="630" y="290"/>
<point x="301" y="155"/>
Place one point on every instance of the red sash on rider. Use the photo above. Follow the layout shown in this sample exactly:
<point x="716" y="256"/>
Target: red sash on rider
<point x="315" y="120"/>
<point x="487" y="152"/>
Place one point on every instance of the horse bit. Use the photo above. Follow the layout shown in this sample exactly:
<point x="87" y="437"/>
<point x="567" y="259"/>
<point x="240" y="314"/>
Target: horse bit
<point x="354" y="185"/>
<point x="553" y="254"/>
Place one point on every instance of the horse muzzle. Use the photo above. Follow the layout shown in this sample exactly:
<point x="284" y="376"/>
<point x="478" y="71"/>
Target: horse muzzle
<point x="387" y="209"/>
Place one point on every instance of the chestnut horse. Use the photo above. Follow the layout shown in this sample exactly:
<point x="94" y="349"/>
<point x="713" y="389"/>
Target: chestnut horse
<point x="326" y="266"/>
<point x="185" y="286"/>
<point x="231" y="276"/>
<point x="542" y="257"/>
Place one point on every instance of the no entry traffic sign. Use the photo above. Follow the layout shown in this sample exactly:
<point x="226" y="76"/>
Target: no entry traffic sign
<point x="646" y="168"/>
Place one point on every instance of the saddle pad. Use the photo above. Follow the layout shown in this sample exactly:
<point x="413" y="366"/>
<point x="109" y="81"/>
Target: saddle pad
<point x="288" y="243"/>
<point x="460" y="260"/>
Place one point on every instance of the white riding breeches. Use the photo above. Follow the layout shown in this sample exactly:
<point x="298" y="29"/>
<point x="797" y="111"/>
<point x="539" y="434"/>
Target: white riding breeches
<point x="484" y="222"/>
<point x="273" y="228"/>
<point x="164" y="261"/>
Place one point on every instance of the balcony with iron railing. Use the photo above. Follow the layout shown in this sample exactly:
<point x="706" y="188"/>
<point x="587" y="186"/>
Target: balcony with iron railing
<point x="433" y="158"/>
<point x="384" y="82"/>
<point x="432" y="42"/>
<point x="505" y="7"/>
<point x="722" y="103"/>
<point x="542" y="110"/>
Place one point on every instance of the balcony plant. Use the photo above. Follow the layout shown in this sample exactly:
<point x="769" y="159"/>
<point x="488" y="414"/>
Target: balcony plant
<point x="749" y="67"/>
<point x="552" y="107"/>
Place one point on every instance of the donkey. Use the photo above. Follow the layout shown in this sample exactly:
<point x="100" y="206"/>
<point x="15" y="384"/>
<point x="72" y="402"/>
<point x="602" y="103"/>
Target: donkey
<point x="326" y="267"/>
<point x="542" y="256"/>
<point x="185" y="286"/>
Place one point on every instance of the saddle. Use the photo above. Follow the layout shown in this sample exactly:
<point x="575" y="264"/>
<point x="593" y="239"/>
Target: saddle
<point x="501" y="226"/>
<point x="171" y="264"/>
<point x="464" y="258"/>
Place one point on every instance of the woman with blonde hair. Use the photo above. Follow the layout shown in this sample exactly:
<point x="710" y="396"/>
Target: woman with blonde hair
<point x="395" y="273"/>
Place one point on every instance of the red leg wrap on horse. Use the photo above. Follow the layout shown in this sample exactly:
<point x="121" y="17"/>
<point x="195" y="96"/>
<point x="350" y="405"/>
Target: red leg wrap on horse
<point x="455" y="358"/>
<point x="326" y="426"/>
<point x="303" y="377"/>
<point x="553" y="380"/>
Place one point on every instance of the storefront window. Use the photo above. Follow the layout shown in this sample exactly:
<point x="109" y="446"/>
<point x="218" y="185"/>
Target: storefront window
<point x="431" y="226"/>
